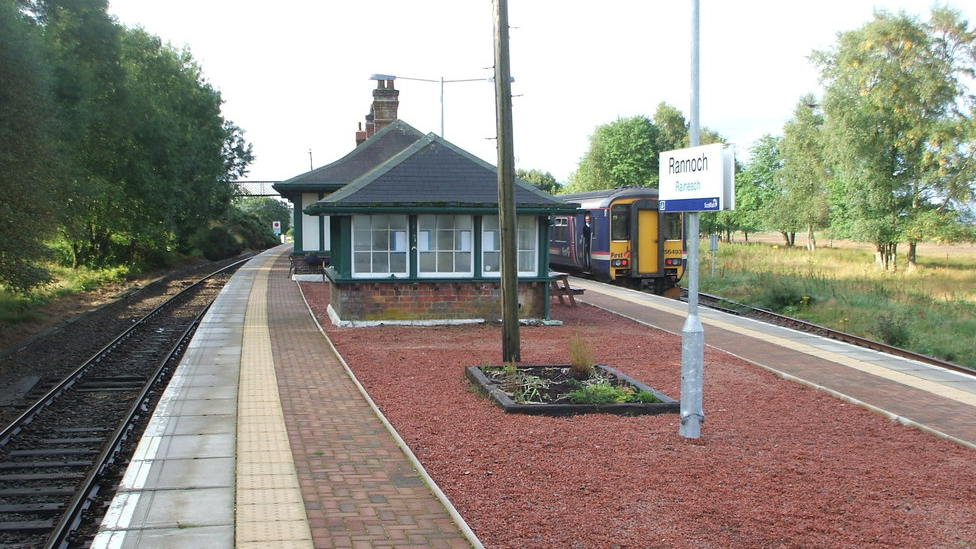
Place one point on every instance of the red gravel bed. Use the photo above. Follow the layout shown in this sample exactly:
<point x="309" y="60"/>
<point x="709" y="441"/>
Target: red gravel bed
<point x="778" y="464"/>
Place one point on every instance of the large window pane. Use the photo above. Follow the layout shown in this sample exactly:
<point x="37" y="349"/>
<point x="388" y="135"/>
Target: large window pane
<point x="379" y="245"/>
<point x="525" y="239"/>
<point x="445" y="246"/>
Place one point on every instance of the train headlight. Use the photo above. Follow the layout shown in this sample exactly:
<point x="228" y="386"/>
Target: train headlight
<point x="620" y="263"/>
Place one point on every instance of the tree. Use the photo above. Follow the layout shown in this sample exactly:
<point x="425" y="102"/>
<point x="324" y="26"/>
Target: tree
<point x="899" y="124"/>
<point x="179" y="141"/>
<point x="84" y="44"/>
<point x="543" y="181"/>
<point x="621" y="154"/>
<point x="626" y="153"/>
<point x="267" y="210"/>
<point x="673" y="130"/>
<point x="805" y="174"/>
<point x="29" y="155"/>
<point x="757" y="190"/>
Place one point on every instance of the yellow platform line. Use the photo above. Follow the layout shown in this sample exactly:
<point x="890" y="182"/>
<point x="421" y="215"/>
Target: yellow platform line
<point x="270" y="508"/>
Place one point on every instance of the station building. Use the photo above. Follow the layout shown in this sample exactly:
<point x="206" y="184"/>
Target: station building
<point x="408" y="226"/>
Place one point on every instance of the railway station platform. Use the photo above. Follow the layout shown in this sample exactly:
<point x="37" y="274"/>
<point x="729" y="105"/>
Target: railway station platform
<point x="265" y="439"/>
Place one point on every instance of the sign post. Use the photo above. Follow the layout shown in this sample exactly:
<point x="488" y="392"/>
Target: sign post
<point x="694" y="180"/>
<point x="276" y="227"/>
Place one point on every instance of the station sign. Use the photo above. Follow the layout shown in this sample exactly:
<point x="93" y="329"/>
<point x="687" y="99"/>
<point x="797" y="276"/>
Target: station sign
<point x="698" y="179"/>
<point x="276" y="227"/>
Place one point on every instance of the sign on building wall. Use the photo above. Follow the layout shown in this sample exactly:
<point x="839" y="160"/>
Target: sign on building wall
<point x="699" y="179"/>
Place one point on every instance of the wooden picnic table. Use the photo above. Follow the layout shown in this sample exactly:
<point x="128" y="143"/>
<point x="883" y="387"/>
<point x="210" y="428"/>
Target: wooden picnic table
<point x="560" y="288"/>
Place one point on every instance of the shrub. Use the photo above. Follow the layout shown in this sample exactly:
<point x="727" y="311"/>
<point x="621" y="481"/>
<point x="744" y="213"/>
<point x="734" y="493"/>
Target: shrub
<point x="892" y="330"/>
<point x="216" y="243"/>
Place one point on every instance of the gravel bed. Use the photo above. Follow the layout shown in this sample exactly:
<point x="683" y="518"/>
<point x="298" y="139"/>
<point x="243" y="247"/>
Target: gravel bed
<point x="778" y="464"/>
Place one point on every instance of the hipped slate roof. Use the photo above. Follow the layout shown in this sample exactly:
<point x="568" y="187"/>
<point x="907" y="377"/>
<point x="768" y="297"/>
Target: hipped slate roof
<point x="376" y="150"/>
<point x="434" y="175"/>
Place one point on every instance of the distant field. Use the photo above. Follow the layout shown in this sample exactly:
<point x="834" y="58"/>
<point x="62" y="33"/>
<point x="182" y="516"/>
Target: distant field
<point x="926" y="248"/>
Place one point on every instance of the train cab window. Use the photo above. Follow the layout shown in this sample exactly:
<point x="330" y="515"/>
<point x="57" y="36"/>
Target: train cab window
<point x="671" y="229"/>
<point x="620" y="222"/>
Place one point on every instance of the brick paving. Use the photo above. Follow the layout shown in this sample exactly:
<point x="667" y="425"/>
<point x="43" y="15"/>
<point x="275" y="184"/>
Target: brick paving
<point x="360" y="489"/>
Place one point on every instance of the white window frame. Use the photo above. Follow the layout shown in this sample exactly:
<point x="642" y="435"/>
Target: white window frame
<point x="427" y="243"/>
<point x="399" y="237"/>
<point x="526" y="227"/>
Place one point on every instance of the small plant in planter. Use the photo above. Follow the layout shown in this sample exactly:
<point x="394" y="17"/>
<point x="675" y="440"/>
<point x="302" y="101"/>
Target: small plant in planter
<point x="576" y="388"/>
<point x="606" y="393"/>
<point x="580" y="355"/>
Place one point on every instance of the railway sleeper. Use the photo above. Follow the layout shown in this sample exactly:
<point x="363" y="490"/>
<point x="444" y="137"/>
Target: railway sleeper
<point x="21" y="465"/>
<point x="32" y="477"/>
<point x="27" y="526"/>
<point x="54" y="452"/>
<point x="39" y="491"/>
<point x="80" y="440"/>
<point x="83" y="430"/>
<point x="32" y="508"/>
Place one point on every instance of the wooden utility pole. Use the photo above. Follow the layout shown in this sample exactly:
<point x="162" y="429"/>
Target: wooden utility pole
<point x="511" y="345"/>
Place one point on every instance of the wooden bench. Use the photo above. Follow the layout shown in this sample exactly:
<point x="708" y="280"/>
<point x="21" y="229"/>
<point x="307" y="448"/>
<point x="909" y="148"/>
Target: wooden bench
<point x="560" y="288"/>
<point x="308" y="264"/>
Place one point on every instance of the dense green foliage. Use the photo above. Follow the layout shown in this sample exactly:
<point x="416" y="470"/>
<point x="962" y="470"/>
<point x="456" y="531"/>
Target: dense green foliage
<point x="120" y="153"/>
<point x="29" y="177"/>
<point x="625" y="153"/>
<point x="898" y="126"/>
<point x="267" y="210"/>
<point x="543" y="181"/>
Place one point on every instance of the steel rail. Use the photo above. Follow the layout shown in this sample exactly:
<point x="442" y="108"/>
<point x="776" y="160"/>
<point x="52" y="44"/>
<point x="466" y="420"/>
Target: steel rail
<point x="75" y="376"/>
<point x="88" y="488"/>
<point x="741" y="309"/>
<point x="72" y="515"/>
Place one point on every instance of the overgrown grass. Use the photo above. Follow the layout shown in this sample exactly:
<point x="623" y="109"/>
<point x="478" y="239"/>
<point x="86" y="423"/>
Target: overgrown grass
<point x="931" y="309"/>
<point x="17" y="308"/>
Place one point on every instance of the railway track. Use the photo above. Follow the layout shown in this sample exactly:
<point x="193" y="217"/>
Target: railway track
<point x="61" y="459"/>
<point x="740" y="309"/>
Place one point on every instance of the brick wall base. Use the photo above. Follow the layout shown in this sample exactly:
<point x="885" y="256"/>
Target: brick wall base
<point x="431" y="301"/>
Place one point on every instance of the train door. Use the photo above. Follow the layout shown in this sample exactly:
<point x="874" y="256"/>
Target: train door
<point x="648" y="260"/>
<point x="584" y="237"/>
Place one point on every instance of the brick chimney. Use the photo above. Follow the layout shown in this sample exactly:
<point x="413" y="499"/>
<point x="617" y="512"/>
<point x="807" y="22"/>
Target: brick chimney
<point x="382" y="113"/>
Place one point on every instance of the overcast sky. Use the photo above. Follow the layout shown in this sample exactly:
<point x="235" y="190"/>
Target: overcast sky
<point x="294" y="74"/>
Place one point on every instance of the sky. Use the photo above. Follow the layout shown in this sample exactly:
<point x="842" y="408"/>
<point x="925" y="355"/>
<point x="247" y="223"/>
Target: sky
<point x="295" y="74"/>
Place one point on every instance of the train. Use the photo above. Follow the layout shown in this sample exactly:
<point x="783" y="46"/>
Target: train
<point x="620" y="236"/>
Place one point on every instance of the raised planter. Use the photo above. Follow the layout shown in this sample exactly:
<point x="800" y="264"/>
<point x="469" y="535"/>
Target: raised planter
<point x="496" y="392"/>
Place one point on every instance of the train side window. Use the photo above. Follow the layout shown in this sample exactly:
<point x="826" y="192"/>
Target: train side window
<point x="620" y="222"/>
<point x="560" y="230"/>
<point x="672" y="226"/>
